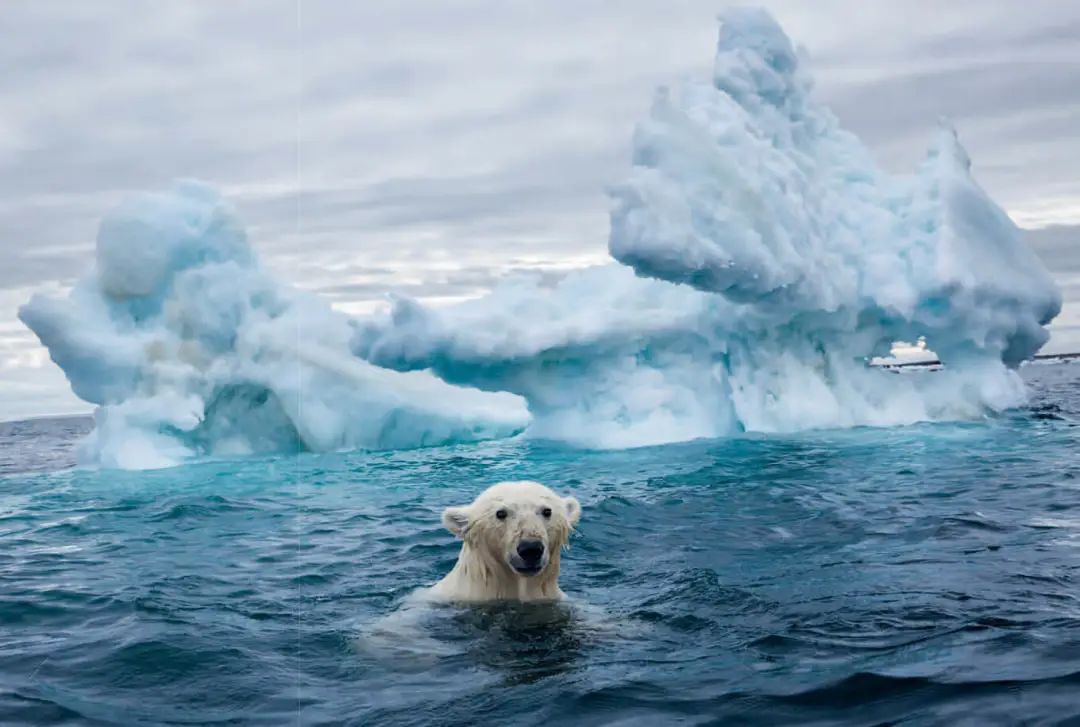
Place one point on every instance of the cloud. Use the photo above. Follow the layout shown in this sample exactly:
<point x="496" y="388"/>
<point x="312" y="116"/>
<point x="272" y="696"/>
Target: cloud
<point x="1059" y="248"/>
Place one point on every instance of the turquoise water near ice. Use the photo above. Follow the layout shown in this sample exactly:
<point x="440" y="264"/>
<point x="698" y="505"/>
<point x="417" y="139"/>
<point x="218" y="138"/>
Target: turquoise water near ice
<point x="924" y="575"/>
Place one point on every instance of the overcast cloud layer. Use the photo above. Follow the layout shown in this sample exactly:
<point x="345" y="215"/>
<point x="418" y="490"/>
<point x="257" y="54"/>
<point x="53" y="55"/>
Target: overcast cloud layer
<point x="431" y="147"/>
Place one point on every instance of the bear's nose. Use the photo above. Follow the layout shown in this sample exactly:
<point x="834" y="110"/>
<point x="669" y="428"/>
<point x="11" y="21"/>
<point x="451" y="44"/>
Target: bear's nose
<point x="530" y="551"/>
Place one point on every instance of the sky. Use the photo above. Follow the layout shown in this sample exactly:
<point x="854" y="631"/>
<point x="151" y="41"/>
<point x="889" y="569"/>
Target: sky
<point x="431" y="147"/>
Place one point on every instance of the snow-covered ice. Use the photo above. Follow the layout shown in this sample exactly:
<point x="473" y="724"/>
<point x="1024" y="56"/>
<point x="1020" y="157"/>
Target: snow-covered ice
<point x="761" y="259"/>
<point x="189" y="348"/>
<point x="775" y="259"/>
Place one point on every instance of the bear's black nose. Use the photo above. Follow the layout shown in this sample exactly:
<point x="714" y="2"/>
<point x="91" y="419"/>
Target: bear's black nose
<point x="530" y="551"/>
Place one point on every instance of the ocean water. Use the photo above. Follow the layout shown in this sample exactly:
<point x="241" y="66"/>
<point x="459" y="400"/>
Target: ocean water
<point x="919" y="575"/>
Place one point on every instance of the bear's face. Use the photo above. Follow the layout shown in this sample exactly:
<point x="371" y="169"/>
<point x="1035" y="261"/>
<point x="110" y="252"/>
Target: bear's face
<point x="518" y="524"/>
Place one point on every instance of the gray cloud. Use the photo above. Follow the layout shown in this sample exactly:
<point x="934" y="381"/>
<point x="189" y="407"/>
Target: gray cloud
<point x="1058" y="246"/>
<point x="412" y="137"/>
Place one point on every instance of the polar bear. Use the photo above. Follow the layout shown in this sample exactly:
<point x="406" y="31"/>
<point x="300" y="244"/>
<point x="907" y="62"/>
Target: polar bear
<point x="512" y="537"/>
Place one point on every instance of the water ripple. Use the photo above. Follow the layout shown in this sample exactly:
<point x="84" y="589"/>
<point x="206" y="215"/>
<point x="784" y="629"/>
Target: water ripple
<point x="923" y="575"/>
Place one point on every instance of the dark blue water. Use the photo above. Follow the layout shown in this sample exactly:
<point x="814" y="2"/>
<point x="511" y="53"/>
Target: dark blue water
<point x="925" y="575"/>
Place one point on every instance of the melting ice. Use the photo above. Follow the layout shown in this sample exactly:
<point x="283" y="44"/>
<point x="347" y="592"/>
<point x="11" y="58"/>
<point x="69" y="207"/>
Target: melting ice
<point x="761" y="259"/>
<point x="189" y="348"/>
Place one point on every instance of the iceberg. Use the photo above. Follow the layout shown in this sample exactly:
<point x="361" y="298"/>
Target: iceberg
<point x="760" y="261"/>
<point x="188" y="348"/>
<point x="764" y="261"/>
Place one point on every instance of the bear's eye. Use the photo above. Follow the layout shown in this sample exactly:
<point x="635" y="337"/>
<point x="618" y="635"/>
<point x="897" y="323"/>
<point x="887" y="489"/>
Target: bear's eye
<point x="501" y="513"/>
<point x="546" y="512"/>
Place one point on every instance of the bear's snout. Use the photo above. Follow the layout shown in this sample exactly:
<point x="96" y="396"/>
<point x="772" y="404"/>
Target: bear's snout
<point x="531" y="551"/>
<point x="529" y="558"/>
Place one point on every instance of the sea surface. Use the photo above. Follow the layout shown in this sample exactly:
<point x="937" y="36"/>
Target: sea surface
<point x="921" y="575"/>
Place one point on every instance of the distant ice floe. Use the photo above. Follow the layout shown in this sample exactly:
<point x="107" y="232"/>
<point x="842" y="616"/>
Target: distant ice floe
<point x="189" y="348"/>
<point x="765" y="260"/>
<point x="761" y="261"/>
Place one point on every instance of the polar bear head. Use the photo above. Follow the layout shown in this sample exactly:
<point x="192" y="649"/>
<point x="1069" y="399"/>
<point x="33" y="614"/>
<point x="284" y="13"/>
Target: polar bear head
<point x="520" y="525"/>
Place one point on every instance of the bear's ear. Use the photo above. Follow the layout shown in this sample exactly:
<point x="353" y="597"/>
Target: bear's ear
<point x="456" y="520"/>
<point x="573" y="510"/>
